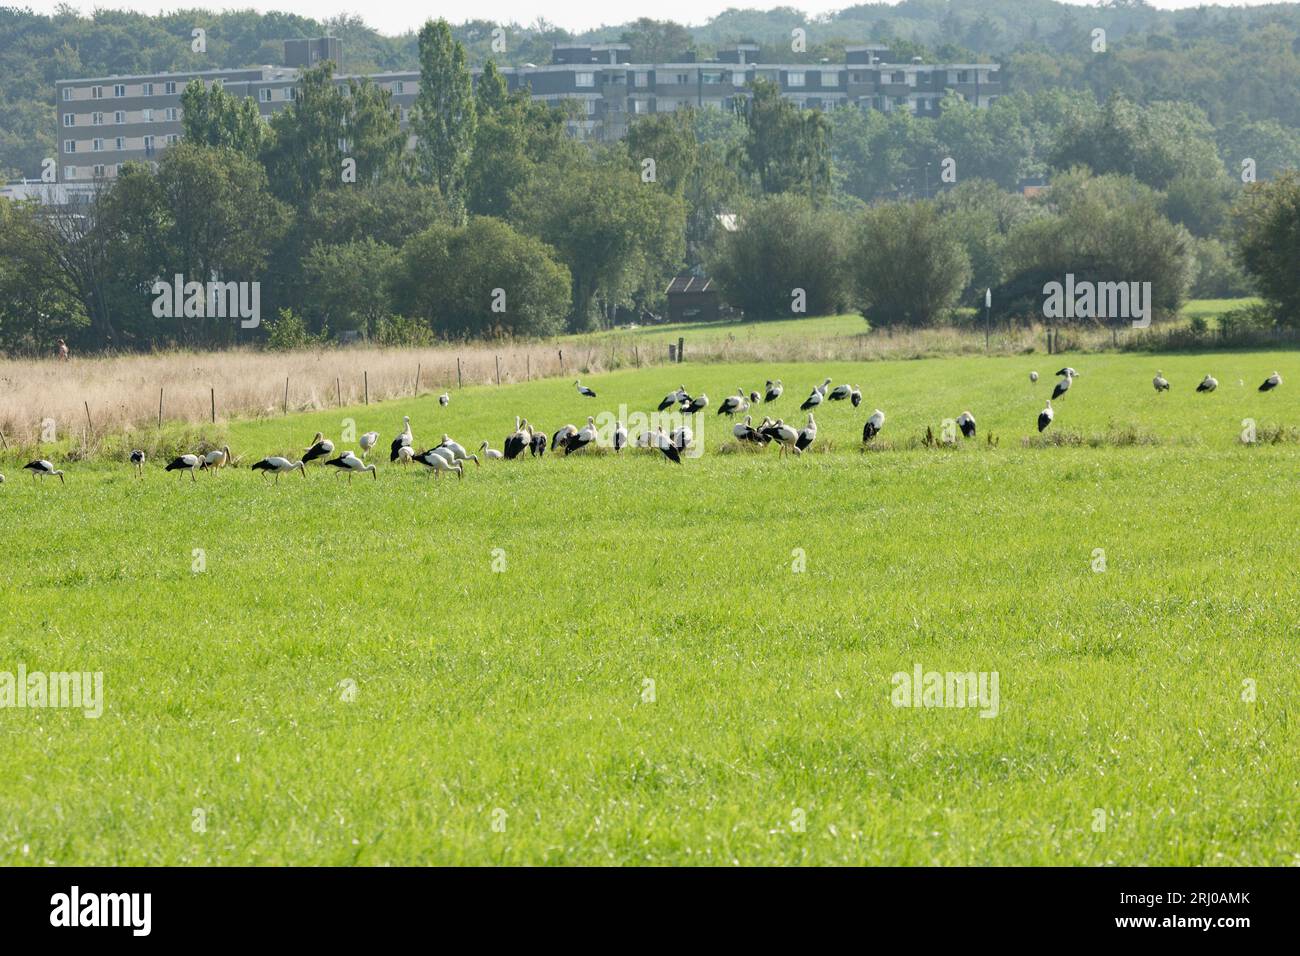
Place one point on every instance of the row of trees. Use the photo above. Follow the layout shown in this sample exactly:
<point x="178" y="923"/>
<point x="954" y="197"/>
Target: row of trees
<point x="916" y="262"/>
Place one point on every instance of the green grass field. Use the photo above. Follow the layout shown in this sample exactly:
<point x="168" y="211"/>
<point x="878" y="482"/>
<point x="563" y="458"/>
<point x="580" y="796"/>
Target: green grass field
<point x="502" y="633"/>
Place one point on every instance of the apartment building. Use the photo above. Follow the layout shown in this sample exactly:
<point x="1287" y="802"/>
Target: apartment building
<point x="107" y="121"/>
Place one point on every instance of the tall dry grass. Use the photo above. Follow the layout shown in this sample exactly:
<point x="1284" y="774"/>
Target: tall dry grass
<point x="92" y="397"/>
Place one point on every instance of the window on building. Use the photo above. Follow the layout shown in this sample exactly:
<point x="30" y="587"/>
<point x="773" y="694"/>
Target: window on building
<point x="738" y="78"/>
<point x="146" y="116"/>
<point x="148" y="144"/>
<point x="963" y="76"/>
<point x="96" y="145"/>
<point x="794" y="79"/>
<point x="119" y="118"/>
<point x="264" y="95"/>
<point x="69" y="119"/>
<point x="69" y="145"/>
<point x="69" y="172"/>
<point x="146" y="89"/>
<point x="830" y="80"/>
<point x="288" y="92"/>
<point x="173" y="139"/>
<point x="711" y="78"/>
<point x="67" y="92"/>
<point x="169" y="88"/>
<point x="97" y="171"/>
<point x="96" y="119"/>
<point x="96" y="92"/>
<point x="641" y="78"/>
<point x="683" y="78"/>
<point x="899" y="77"/>
<point x="584" y="79"/>
<point x="119" y="144"/>
<point x="119" y="89"/>
<point x="399" y="87"/>
<point x="172" y="114"/>
<point x="639" y="106"/>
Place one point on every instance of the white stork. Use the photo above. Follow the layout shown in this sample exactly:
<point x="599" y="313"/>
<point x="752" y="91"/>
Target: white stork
<point x="518" y="440"/>
<point x="437" y="463"/>
<point x="1045" y="416"/>
<point x="320" y="447"/>
<point x="1033" y="376"/>
<point x="537" y="447"/>
<point x="754" y="397"/>
<point x="1160" y="382"/>
<point x="1270" y="383"/>
<point x="1069" y="371"/>
<point x="733" y="405"/>
<point x="405" y="454"/>
<point x="774" y="390"/>
<point x="217" y="458"/>
<point x="674" y="398"/>
<point x="872" y="428"/>
<point x="41" y="468"/>
<point x="784" y="435"/>
<point x="840" y="392"/>
<point x="403" y="440"/>
<point x="444" y="399"/>
<point x="682" y="437"/>
<point x="352" y="464"/>
<point x="855" y="396"/>
<point x="190" y="463"/>
<point x="583" y="389"/>
<point x="746" y="431"/>
<point x="368" y="441"/>
<point x="490" y="453"/>
<point x="278" y="466"/>
<point x="1063" y="385"/>
<point x="581" y="439"/>
<point x="1208" y="384"/>
<point x="620" y="436"/>
<point x="815" y="398"/>
<point x="562" y="435"/>
<point x="697" y="404"/>
<point x="966" y="422"/>
<point x="137" y="460"/>
<point x="457" y="450"/>
<point x="807" y="435"/>
<point x="665" y="445"/>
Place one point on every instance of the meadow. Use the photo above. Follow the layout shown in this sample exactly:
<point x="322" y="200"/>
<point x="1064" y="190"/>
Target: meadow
<point x="615" y="660"/>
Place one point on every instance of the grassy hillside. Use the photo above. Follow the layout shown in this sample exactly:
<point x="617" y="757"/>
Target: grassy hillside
<point x="519" y="696"/>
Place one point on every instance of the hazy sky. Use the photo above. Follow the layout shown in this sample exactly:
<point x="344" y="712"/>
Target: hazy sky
<point x="397" y="16"/>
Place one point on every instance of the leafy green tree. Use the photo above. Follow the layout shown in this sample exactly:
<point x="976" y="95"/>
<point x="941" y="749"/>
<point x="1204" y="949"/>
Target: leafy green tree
<point x="445" y="117"/>
<point x="657" y="41"/>
<point x="908" y="267"/>
<point x="1267" y="219"/>
<point x="210" y="116"/>
<point x="490" y="93"/>
<point x="786" y="149"/>
<point x="37" y="303"/>
<point x="617" y="235"/>
<point x="784" y="255"/>
<point x="349" y="284"/>
<point x="482" y="279"/>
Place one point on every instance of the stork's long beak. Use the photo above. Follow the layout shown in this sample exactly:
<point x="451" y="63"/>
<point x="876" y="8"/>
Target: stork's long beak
<point x="476" y="461"/>
<point x="302" y="466"/>
<point x="61" y="481"/>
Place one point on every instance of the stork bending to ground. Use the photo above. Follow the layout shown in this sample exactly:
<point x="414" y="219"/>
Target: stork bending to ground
<point x="352" y="464"/>
<point x="537" y="447"/>
<point x="872" y="428"/>
<point x="405" y="454"/>
<point x="746" y="431"/>
<point x="840" y="392"/>
<point x="561" y="437"/>
<point x="855" y="396"/>
<point x="190" y="463"/>
<point x="1160" y="382"/>
<point x="490" y="453"/>
<point x="1270" y="383"/>
<point x="966" y="422"/>
<point x="696" y="405"/>
<point x="368" y="441"/>
<point x="682" y="437"/>
<point x="278" y="466"/>
<point x="137" y="460"/>
<point x="42" y="468"/>
<point x="437" y="463"/>
<point x="457" y="450"/>
<point x="1208" y="384"/>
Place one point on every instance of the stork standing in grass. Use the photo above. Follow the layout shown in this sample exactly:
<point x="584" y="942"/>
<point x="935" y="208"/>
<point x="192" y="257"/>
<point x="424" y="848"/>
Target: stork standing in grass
<point x="815" y="397"/>
<point x="581" y="439"/>
<point x="444" y="399"/>
<point x="1208" y="384"/>
<point x="754" y="397"/>
<point x="733" y="405"/>
<point x="217" y="458"/>
<point x="872" y="428"/>
<point x="1160" y="382"/>
<point x="855" y="396"/>
<point x="696" y="405"/>
<point x="1045" y="416"/>
<point x="320" y="448"/>
<point x="774" y="390"/>
<point x="840" y="392"/>
<point x="665" y="445"/>
<point x="437" y="463"/>
<point x="966" y="422"/>
<point x="137" y="460"/>
<point x="278" y="466"/>
<point x="682" y="437"/>
<point x="520" y="439"/>
<point x="1033" y="376"/>
<point x="1270" y="383"/>
<point x="784" y="435"/>
<point x="42" y="468"/>
<point x="403" y="440"/>
<point x="620" y="436"/>
<point x="1063" y="385"/>
<point x="583" y="389"/>
<point x="562" y="435"/>
<point x="352" y="464"/>
<point x="489" y="453"/>
<point x="746" y="431"/>
<point x="368" y="441"/>
<point x="405" y="454"/>
<point x="807" y="435"/>
<point x="190" y="463"/>
<point x="674" y="398"/>
<point x="537" y="447"/>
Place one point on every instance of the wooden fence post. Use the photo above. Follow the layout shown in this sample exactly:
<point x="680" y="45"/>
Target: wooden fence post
<point x="418" y="369"/>
<point x="672" y="352"/>
<point x="338" y="392"/>
<point x="366" y="379"/>
<point x="528" y="367"/>
<point x="681" y="348"/>
<point x="286" y="395"/>
<point x="458" y="385"/>
<point x="3" y="444"/>
<point x="90" y="428"/>
<point x="636" y="354"/>
<point x="561" y="361"/>
<point x="213" y="392"/>
<point x="160" y="394"/>
<point x="498" y="369"/>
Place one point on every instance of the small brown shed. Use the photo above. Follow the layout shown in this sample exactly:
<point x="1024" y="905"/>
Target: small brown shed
<point x="692" y="299"/>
